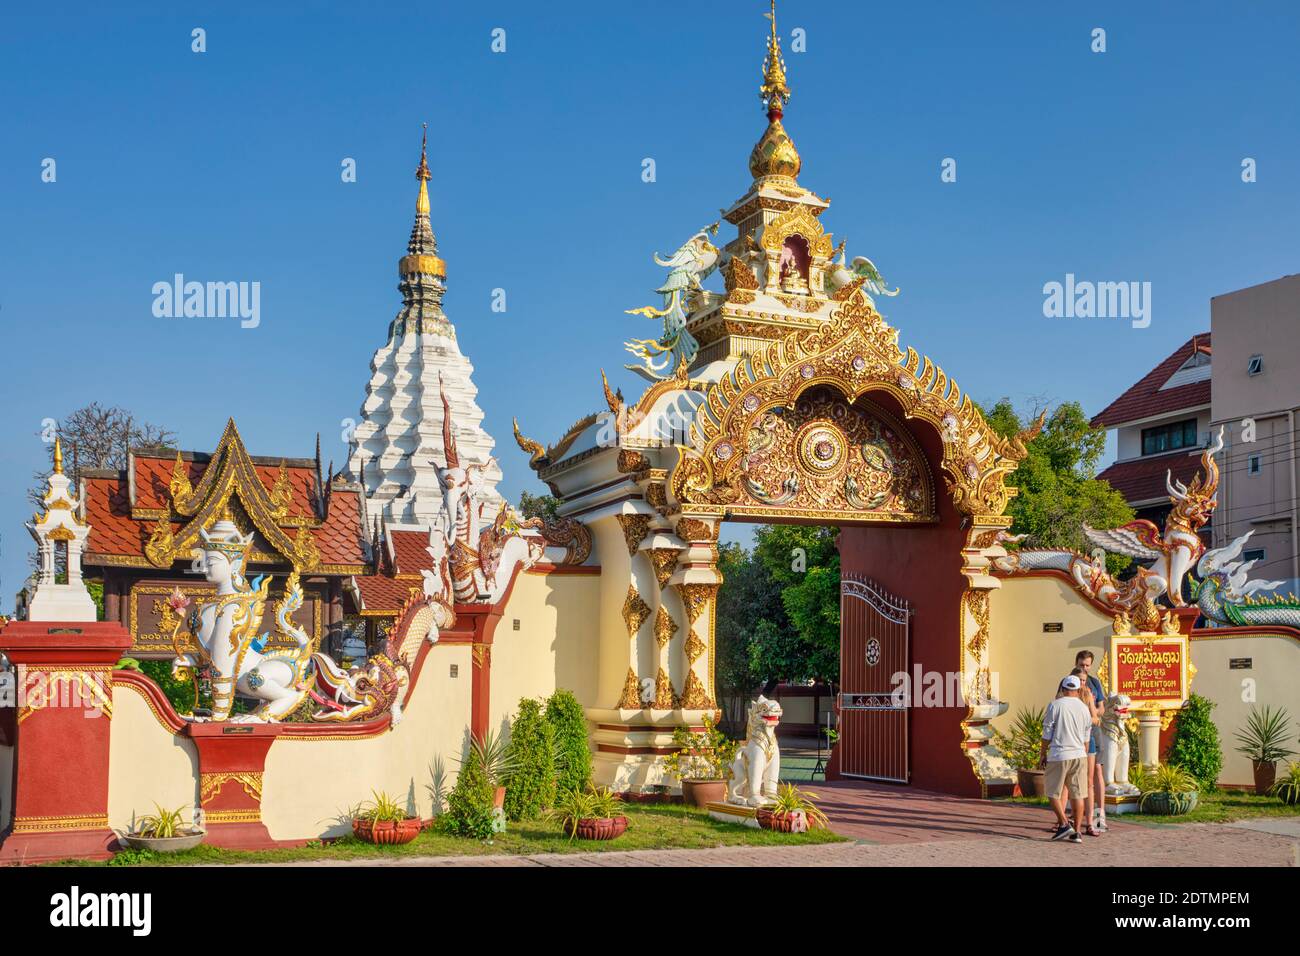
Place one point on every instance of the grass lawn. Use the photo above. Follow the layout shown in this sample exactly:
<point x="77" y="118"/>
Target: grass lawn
<point x="1221" y="806"/>
<point x="650" y="827"/>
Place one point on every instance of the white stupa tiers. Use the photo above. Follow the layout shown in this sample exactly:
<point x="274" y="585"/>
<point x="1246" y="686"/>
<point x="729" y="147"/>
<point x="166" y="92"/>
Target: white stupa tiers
<point x="60" y="527"/>
<point x="398" y="446"/>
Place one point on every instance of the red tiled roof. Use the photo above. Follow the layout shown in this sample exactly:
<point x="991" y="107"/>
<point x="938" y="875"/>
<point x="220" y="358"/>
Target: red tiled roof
<point x="1143" y="479"/>
<point x="1146" y="398"/>
<point x="153" y="475"/>
<point x="409" y="546"/>
<point x="385" y="594"/>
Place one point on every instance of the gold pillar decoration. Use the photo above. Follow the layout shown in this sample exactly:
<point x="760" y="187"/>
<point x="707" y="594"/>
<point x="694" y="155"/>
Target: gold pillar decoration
<point x="694" y="696"/>
<point x="631" y="699"/>
<point x="696" y="598"/>
<point x="665" y="696"/>
<point x="664" y="561"/>
<point x="635" y="613"/>
<point x="665" y="627"/>
<point x="635" y="528"/>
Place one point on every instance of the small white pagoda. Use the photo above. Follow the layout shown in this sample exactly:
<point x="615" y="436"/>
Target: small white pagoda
<point x="60" y="529"/>
<point x="398" y="446"/>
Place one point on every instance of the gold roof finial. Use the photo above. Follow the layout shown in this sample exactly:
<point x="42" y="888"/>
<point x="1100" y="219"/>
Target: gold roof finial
<point x="774" y="91"/>
<point x="422" y="174"/>
<point x="58" y="456"/>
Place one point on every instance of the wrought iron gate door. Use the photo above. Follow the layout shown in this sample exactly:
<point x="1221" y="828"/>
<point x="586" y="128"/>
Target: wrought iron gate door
<point x="874" y="646"/>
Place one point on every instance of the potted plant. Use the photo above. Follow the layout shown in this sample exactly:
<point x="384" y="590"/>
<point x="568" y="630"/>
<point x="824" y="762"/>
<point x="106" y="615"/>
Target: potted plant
<point x="1288" y="788"/>
<point x="589" y="814"/>
<point x="1023" y="749"/>
<point x="162" y="832"/>
<point x="1263" y="743"/>
<point x="383" y="821"/>
<point x="793" y="811"/>
<point x="702" y="762"/>
<point x="497" y="762"/>
<point x="1167" y="790"/>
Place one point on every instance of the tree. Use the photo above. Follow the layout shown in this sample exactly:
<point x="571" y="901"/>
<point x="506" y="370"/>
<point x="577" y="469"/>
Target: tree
<point x="530" y="788"/>
<point x="804" y="563"/>
<point x="748" y="603"/>
<point x="1058" y="490"/>
<point x="539" y="506"/>
<point x="572" y="752"/>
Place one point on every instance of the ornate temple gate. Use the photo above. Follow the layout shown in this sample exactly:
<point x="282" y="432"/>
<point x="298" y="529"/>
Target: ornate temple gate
<point x="875" y="631"/>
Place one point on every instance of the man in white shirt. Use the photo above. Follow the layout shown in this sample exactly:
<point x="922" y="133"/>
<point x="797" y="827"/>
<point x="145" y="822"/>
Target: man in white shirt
<point x="1066" y="728"/>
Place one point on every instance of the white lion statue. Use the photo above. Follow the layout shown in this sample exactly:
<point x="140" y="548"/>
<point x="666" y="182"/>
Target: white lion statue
<point x="1115" y="747"/>
<point x="757" y="766"/>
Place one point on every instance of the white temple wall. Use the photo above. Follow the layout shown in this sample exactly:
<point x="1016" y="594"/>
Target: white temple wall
<point x="309" y="786"/>
<point x="557" y="645"/>
<point x="147" y="763"/>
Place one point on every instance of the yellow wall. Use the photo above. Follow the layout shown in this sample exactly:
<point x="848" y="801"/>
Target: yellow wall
<point x="556" y="646"/>
<point x="1029" y="663"/>
<point x="1273" y="680"/>
<point x="310" y="785"/>
<point x="147" y="764"/>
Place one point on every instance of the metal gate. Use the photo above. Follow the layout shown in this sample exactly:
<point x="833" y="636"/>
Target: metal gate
<point x="875" y="628"/>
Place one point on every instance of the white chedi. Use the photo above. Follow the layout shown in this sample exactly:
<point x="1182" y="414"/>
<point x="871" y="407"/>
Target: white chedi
<point x="58" y="527"/>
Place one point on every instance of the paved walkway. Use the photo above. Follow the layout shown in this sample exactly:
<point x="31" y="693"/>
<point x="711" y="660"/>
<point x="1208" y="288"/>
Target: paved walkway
<point x="899" y="826"/>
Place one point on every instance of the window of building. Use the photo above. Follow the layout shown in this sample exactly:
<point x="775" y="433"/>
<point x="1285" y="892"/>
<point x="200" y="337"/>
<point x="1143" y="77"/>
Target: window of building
<point x="1169" y="437"/>
<point x="1254" y="465"/>
<point x="1255" y="365"/>
<point x="1254" y="554"/>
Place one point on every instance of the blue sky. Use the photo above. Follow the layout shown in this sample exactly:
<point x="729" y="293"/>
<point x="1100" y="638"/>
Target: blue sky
<point x="225" y="165"/>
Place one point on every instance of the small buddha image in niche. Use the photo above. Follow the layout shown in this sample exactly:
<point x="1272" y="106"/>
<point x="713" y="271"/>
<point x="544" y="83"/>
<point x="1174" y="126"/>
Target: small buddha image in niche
<point x="793" y="266"/>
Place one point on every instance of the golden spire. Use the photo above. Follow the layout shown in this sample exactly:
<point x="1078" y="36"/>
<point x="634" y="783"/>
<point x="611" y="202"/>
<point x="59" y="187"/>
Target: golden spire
<point x="58" y="456"/>
<point x="774" y="157"/>
<point x="422" y="174"/>
<point x="774" y="91"/>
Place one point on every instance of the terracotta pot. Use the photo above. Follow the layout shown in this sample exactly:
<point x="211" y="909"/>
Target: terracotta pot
<point x="499" y="798"/>
<point x="768" y="820"/>
<point x="601" y="828"/>
<point x="1033" y="783"/>
<point x="186" y="841"/>
<point x="1168" y="804"/>
<point x="699" y="792"/>
<point x="386" y="832"/>
<point x="1265" y="775"/>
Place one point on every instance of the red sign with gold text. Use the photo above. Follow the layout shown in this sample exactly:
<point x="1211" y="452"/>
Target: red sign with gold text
<point x="1150" y="673"/>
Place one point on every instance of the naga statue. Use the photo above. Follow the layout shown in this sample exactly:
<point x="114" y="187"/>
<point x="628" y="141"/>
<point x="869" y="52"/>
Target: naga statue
<point x="1173" y="552"/>
<point x="676" y="348"/>
<point x="225" y="630"/>
<point x="838" y="275"/>
<point x="757" y="768"/>
<point x="1227" y="599"/>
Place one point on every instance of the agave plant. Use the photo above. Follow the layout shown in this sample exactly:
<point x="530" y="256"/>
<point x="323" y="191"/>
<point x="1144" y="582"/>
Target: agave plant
<point x="494" y="756"/>
<point x="572" y="806"/>
<point x="382" y="809"/>
<point x="1023" y="744"/>
<point x="1265" y="735"/>
<point x="1287" y="788"/>
<point x="163" y="825"/>
<point x="1166" y="780"/>
<point x="790" y="799"/>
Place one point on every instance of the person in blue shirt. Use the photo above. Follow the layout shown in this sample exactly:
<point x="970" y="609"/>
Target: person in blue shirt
<point x="1097" y="784"/>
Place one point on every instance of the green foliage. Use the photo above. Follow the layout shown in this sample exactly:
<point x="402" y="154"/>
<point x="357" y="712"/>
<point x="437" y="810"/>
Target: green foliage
<point x="96" y="588"/>
<point x="383" y="808"/>
<point x="1287" y="787"/>
<point x="1022" y="746"/>
<point x="790" y="799"/>
<point x="179" y="692"/>
<point x="803" y="565"/>
<point x="706" y="755"/>
<point x="470" y="804"/>
<point x="1195" y="746"/>
<point x="1265" y="737"/>
<point x="530" y="787"/>
<point x="493" y="756"/>
<point x="594" y="803"/>
<point x="163" y="825"/>
<point x="1168" y="778"/>
<point x="437" y="785"/>
<point x="538" y="506"/>
<point x="1058" y="492"/>
<point x="572" y="752"/>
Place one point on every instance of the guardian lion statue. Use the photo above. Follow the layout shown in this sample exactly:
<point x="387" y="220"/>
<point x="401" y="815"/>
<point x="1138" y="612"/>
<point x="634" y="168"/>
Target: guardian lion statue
<point x="757" y="767"/>
<point x="1115" y="747"/>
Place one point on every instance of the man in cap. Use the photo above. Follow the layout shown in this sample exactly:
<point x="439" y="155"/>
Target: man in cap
<point x="1067" y="726"/>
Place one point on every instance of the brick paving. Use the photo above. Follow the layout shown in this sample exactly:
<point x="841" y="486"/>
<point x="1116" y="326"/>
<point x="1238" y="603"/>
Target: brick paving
<point x="899" y="826"/>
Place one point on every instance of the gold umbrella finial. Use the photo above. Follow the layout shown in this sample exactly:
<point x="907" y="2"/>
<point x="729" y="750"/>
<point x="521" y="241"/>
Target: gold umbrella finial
<point x="423" y="175"/>
<point x="774" y="91"/>
<point x="58" y="456"/>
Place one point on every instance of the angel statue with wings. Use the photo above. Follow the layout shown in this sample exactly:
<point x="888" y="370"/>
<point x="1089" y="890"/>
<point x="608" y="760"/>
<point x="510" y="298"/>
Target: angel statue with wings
<point x="676" y="348"/>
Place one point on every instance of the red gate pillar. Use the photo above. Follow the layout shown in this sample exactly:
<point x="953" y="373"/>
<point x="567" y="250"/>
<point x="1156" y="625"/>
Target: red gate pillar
<point x="60" y="732"/>
<point x="232" y="759"/>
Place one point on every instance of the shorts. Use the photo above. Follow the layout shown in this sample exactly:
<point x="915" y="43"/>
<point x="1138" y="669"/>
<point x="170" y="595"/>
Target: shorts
<point x="1071" y="774"/>
<point x="1092" y="743"/>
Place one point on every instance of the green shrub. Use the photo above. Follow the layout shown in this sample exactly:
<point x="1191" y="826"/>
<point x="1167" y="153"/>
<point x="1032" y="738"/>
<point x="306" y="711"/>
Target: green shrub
<point x="530" y="787"/>
<point x="1195" y="746"/>
<point x="469" y="805"/>
<point x="179" y="692"/>
<point x="572" y="752"/>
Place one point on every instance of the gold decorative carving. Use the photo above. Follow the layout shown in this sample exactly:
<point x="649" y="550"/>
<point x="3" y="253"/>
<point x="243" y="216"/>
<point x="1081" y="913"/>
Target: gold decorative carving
<point x="694" y="696"/>
<point x="570" y="534"/>
<point x="179" y="487"/>
<point x="635" y="528"/>
<point x="737" y="275"/>
<point x="693" y="648"/>
<point x="306" y="557"/>
<point x="631" y="699"/>
<point x="977" y="602"/>
<point x="664" y="561"/>
<point x="630" y="462"/>
<point x="693" y="529"/>
<point x="665" y="626"/>
<point x="695" y="598"/>
<point x="281" y="493"/>
<point x="635" y="611"/>
<point x="59" y="822"/>
<point x="210" y="783"/>
<point x="161" y="544"/>
<point x="665" y="696"/>
<point x="797" y="221"/>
